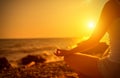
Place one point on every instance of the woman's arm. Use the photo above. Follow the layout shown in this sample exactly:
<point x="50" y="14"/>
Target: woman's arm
<point x="108" y="15"/>
<point x="102" y="26"/>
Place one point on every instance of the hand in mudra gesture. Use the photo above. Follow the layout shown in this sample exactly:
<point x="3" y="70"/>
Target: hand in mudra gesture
<point x="61" y="52"/>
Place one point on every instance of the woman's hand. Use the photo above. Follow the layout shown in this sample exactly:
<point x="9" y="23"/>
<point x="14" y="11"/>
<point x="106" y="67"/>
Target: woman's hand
<point x="62" y="52"/>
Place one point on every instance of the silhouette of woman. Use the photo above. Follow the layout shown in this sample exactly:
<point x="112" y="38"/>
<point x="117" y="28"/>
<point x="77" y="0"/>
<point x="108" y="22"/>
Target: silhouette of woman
<point x="91" y="66"/>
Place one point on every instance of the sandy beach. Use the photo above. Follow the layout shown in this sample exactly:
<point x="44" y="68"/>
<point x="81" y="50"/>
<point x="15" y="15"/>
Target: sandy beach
<point x="48" y="66"/>
<point x="57" y="69"/>
<point x="43" y="65"/>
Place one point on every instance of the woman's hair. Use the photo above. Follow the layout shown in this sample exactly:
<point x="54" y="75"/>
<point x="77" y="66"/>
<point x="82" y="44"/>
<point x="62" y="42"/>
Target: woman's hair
<point x="118" y="1"/>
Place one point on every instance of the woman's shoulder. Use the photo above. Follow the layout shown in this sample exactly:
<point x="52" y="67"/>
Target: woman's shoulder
<point x="111" y="10"/>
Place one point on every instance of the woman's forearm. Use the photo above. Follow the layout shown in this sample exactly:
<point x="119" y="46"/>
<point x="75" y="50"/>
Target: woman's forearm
<point x="86" y="45"/>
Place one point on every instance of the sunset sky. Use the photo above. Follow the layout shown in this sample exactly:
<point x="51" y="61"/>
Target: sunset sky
<point x="48" y="18"/>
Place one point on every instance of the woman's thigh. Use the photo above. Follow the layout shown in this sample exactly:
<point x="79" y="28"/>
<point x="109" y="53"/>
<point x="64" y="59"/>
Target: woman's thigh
<point x="82" y="63"/>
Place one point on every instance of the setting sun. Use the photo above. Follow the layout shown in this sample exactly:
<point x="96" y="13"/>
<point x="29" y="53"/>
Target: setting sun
<point x="91" y="24"/>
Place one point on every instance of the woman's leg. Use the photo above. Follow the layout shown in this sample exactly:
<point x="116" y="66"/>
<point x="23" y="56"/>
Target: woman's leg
<point x="83" y="63"/>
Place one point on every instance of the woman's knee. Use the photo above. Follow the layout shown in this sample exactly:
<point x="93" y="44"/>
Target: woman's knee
<point x="69" y="58"/>
<point x="82" y="63"/>
<point x="73" y="61"/>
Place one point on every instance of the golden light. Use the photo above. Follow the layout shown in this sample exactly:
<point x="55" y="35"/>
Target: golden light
<point x="91" y="25"/>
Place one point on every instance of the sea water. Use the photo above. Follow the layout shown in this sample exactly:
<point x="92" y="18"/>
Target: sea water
<point x="15" y="49"/>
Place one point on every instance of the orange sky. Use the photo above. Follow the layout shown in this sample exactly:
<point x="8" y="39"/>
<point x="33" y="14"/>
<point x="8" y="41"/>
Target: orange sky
<point x="47" y="18"/>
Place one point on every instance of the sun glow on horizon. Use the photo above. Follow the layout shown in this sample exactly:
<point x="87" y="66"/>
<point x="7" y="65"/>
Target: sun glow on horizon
<point x="91" y="25"/>
<point x="49" y="19"/>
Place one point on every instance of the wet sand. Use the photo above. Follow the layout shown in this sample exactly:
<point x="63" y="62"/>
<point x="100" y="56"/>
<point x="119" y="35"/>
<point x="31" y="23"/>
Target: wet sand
<point x="57" y="69"/>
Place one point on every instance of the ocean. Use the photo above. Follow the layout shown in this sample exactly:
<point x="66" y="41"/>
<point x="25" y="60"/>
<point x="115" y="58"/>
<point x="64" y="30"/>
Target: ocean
<point x="14" y="49"/>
